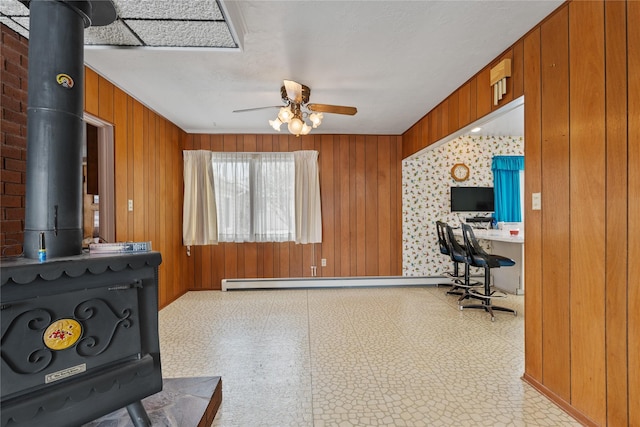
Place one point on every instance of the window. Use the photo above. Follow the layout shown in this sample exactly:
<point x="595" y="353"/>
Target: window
<point x="255" y="196"/>
<point x="251" y="197"/>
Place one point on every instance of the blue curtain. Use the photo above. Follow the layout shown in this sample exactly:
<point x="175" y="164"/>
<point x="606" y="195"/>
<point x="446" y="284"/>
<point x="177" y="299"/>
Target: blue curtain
<point x="506" y="185"/>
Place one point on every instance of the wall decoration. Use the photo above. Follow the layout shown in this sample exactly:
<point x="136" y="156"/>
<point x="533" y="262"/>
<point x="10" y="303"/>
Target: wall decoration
<point x="425" y="195"/>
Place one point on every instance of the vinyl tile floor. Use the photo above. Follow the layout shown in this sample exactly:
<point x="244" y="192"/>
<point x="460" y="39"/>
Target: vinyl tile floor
<point x="388" y="356"/>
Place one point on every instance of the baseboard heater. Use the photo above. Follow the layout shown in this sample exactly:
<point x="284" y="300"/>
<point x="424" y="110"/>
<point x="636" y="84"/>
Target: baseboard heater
<point x="332" y="282"/>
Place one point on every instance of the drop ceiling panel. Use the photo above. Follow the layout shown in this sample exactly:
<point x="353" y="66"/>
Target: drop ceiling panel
<point x="161" y="33"/>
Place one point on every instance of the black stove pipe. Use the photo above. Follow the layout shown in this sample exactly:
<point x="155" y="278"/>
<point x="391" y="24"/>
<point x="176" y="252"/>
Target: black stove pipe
<point x="55" y="126"/>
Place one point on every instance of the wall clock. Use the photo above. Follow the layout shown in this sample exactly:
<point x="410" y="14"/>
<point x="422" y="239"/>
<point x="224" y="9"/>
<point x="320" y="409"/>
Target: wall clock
<point x="460" y="172"/>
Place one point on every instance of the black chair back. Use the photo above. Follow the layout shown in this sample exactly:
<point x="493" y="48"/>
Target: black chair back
<point x="442" y="240"/>
<point x="457" y="252"/>
<point x="479" y="257"/>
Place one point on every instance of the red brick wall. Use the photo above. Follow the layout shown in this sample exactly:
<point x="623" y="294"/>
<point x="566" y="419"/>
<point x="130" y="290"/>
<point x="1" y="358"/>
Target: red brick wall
<point x="13" y="149"/>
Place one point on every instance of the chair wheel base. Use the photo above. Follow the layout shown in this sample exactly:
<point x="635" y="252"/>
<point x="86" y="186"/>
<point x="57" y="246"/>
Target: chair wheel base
<point x="489" y="309"/>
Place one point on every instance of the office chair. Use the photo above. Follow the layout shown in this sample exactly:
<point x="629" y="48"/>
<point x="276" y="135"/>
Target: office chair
<point x="444" y="249"/>
<point x="479" y="258"/>
<point x="458" y="254"/>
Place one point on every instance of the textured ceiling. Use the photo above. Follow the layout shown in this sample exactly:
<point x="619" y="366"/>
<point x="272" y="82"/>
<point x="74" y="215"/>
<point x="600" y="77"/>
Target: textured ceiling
<point x="195" y="61"/>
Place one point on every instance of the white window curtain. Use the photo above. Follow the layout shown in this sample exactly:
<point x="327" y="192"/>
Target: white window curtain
<point x="307" y="200"/>
<point x="199" y="226"/>
<point x="273" y="196"/>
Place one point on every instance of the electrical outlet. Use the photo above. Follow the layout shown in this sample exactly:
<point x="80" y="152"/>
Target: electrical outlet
<point x="323" y="262"/>
<point x="130" y="205"/>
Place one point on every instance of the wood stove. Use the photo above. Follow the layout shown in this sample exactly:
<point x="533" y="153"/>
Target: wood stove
<point x="79" y="338"/>
<point x="79" y="331"/>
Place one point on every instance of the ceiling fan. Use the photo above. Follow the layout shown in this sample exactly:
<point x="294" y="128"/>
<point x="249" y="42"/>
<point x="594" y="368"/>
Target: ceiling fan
<point x="297" y="109"/>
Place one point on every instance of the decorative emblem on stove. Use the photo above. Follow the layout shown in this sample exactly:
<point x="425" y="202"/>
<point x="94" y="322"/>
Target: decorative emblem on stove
<point x="64" y="80"/>
<point x="62" y="334"/>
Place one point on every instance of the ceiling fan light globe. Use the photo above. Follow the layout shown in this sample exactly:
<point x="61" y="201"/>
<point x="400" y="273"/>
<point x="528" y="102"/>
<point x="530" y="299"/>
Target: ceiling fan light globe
<point x="275" y="124"/>
<point x="295" y="126"/>
<point x="316" y="119"/>
<point x="305" y="129"/>
<point x="285" y="114"/>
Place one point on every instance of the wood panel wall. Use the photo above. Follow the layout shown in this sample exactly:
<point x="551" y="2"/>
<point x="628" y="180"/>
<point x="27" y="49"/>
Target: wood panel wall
<point x="148" y="170"/>
<point x="360" y="186"/>
<point x="579" y="70"/>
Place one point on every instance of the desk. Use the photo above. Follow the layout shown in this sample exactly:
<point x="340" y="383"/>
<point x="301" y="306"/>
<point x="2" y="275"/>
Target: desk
<point x="508" y="279"/>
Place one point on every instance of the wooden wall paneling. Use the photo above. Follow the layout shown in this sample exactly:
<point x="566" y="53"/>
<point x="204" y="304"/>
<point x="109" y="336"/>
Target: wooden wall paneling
<point x="162" y="212"/>
<point x="144" y="165"/>
<point x="409" y="138"/>
<point x="138" y="195"/>
<point x="533" y="219"/>
<point x="91" y="92"/>
<point x="484" y="98"/>
<point x="438" y="121"/>
<point x="555" y="202"/>
<point x="473" y="99"/>
<point x="353" y="205"/>
<point x="187" y="142"/>
<point x="181" y="284"/>
<point x="423" y="135"/>
<point x="384" y="206"/>
<point x="395" y="182"/>
<point x="616" y="214"/>
<point x="398" y="209"/>
<point x="345" y="182"/>
<point x="633" y="323"/>
<point x="360" y="206"/>
<point x="464" y="105"/>
<point x="178" y="250"/>
<point x="454" y="116"/>
<point x="444" y="118"/>
<point x="105" y="100"/>
<point x="218" y="263"/>
<point x="295" y="260"/>
<point x="415" y="138"/>
<point x="338" y="175"/>
<point x="517" y="69"/>
<point x="507" y="97"/>
<point x="432" y="127"/>
<point x="251" y="260"/>
<point x="587" y="201"/>
<point x="120" y="164"/>
<point x="152" y="204"/>
<point x="130" y="165"/>
<point x="371" y="206"/>
<point x="168" y="231"/>
<point x="327" y="195"/>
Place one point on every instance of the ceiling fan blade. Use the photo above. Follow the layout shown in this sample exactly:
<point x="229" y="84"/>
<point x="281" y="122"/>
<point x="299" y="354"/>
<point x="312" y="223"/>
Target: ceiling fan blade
<point x="335" y="109"/>
<point x="257" y="108"/>
<point x="294" y="91"/>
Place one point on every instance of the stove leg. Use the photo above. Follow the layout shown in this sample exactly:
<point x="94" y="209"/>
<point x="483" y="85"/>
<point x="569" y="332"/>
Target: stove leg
<point x="138" y="415"/>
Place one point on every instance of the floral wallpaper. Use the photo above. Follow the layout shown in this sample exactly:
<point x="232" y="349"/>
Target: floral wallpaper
<point x="425" y="194"/>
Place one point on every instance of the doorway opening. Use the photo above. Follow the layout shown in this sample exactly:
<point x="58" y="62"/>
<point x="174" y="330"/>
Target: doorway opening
<point x="98" y="182"/>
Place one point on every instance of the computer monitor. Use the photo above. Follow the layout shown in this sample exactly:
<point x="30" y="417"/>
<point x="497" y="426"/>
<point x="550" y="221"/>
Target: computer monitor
<point x="472" y="199"/>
